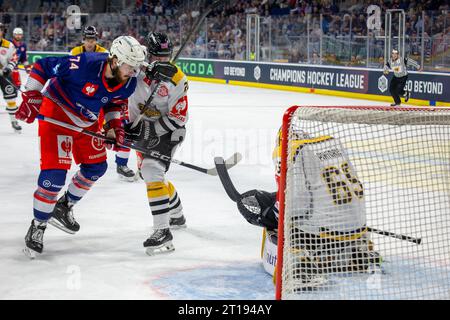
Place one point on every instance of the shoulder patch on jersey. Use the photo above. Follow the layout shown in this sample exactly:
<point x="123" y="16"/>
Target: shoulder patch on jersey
<point x="178" y="77"/>
<point x="5" y="43"/>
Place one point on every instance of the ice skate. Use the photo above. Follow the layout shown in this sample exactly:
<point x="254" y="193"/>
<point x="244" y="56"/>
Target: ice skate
<point x="15" y="125"/>
<point x="407" y="95"/>
<point x="159" y="242"/>
<point x="125" y="173"/>
<point x="62" y="216"/>
<point x="177" y="222"/>
<point x="34" y="239"/>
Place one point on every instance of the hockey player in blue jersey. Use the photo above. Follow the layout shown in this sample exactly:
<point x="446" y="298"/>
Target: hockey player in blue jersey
<point x="79" y="88"/>
<point x="21" y="47"/>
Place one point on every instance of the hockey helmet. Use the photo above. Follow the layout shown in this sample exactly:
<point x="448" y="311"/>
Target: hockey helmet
<point x="18" y="31"/>
<point x="127" y="50"/>
<point x="159" y="45"/>
<point x="90" y="32"/>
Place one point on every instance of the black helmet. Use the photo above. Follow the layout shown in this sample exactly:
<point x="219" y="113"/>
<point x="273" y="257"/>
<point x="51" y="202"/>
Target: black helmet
<point x="159" y="44"/>
<point x="90" y="32"/>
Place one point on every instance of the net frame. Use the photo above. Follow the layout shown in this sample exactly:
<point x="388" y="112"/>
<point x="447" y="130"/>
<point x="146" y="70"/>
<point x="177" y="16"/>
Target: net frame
<point x="408" y="114"/>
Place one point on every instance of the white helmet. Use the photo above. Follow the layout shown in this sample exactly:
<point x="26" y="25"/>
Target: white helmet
<point x="17" y="31"/>
<point x="127" y="50"/>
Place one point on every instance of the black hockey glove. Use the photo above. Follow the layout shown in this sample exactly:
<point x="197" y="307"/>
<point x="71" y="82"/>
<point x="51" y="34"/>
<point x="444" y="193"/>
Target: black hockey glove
<point x="258" y="208"/>
<point x="161" y="71"/>
<point x="143" y="135"/>
<point x="6" y="72"/>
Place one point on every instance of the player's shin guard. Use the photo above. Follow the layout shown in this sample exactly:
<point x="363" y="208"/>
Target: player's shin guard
<point x="158" y="198"/>
<point x="177" y="219"/>
<point x="84" y="179"/>
<point x="81" y="183"/>
<point x="50" y="182"/>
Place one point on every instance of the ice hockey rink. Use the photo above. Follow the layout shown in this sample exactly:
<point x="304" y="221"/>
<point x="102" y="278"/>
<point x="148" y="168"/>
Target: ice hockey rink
<point x="216" y="257"/>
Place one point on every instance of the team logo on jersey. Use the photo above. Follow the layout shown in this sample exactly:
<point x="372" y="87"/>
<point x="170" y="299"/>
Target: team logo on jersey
<point x="179" y="110"/>
<point x="104" y="99"/>
<point x="150" y="112"/>
<point x="163" y="91"/>
<point x="3" y="52"/>
<point x="97" y="143"/>
<point x="65" y="144"/>
<point x="90" y="89"/>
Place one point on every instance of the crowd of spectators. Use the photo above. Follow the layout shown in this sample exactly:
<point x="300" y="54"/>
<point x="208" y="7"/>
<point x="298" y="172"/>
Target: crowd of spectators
<point x="314" y="31"/>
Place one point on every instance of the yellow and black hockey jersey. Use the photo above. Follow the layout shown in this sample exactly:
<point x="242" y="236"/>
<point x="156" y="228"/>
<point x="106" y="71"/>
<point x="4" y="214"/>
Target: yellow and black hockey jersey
<point x="80" y="49"/>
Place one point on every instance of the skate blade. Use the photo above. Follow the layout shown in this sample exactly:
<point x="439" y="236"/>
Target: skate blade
<point x="18" y="131"/>
<point x="30" y="253"/>
<point x="178" y="227"/>
<point x="60" y="226"/>
<point x="165" y="248"/>
<point x="127" y="179"/>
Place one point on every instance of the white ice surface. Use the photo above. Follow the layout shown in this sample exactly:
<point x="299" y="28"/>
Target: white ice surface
<point x="216" y="257"/>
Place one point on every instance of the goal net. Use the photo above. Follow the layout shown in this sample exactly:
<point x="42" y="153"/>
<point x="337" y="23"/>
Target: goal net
<point x="364" y="203"/>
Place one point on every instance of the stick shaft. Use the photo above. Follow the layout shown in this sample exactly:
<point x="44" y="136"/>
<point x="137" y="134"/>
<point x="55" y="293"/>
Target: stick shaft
<point x="128" y="144"/>
<point x="395" y="235"/>
<point x="194" y="28"/>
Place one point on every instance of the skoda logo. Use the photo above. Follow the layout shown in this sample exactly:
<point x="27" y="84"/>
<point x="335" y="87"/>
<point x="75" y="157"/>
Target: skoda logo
<point x="257" y="73"/>
<point x="382" y="83"/>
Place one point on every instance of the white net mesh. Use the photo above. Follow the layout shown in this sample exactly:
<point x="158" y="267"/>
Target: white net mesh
<point x="352" y="169"/>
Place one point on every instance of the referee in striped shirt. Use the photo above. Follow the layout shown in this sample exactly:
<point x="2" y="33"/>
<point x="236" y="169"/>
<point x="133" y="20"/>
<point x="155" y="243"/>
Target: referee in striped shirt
<point x="398" y="82"/>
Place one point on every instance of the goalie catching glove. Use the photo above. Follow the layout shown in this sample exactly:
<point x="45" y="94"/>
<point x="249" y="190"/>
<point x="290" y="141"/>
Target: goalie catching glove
<point x="258" y="208"/>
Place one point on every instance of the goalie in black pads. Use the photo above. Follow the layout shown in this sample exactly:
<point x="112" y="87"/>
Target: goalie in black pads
<point x="326" y="232"/>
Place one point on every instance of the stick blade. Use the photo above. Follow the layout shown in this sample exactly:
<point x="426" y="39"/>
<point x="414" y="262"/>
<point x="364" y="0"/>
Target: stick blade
<point x="229" y="163"/>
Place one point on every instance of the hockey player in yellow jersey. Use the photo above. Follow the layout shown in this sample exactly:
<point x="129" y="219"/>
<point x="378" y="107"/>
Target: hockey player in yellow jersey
<point x="8" y="61"/>
<point x="162" y="129"/>
<point x="90" y="37"/>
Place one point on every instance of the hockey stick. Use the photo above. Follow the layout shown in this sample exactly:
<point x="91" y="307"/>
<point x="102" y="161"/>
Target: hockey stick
<point x="226" y="180"/>
<point x="236" y="196"/>
<point x="215" y="4"/>
<point x="230" y="162"/>
<point x="395" y="235"/>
